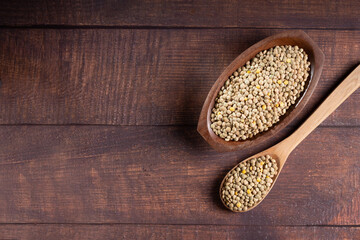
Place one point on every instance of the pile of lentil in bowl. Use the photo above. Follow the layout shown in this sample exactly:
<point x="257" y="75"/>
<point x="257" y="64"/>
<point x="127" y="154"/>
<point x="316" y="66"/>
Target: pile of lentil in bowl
<point x="256" y="95"/>
<point x="248" y="183"/>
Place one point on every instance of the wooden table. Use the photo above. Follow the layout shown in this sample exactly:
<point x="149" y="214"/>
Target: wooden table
<point x="99" y="102"/>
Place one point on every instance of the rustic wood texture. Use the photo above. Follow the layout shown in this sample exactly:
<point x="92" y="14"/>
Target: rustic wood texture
<point x="203" y="13"/>
<point x="160" y="232"/>
<point x="125" y="76"/>
<point x="136" y="73"/>
<point x="166" y="175"/>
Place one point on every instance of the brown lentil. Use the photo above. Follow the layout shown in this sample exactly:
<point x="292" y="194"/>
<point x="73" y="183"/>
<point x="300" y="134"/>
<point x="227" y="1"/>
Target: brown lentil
<point x="256" y="95"/>
<point x="248" y="183"/>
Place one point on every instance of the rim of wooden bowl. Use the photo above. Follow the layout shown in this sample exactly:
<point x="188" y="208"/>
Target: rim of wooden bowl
<point x="293" y="37"/>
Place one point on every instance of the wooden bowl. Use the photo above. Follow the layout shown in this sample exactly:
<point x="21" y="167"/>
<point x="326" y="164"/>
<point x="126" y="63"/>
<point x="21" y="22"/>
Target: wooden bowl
<point x="294" y="37"/>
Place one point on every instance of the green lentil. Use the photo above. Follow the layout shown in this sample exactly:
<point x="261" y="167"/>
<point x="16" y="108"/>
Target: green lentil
<point x="256" y="95"/>
<point x="255" y="184"/>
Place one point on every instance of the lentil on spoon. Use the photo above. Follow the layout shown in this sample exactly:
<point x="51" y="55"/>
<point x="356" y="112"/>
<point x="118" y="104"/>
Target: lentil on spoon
<point x="249" y="183"/>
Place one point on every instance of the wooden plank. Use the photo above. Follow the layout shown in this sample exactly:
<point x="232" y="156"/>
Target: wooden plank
<point x="135" y="231"/>
<point x="140" y="77"/>
<point x="166" y="175"/>
<point x="215" y="13"/>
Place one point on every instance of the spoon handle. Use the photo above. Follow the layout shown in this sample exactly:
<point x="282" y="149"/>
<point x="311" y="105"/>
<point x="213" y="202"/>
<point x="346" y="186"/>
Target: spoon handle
<point x="333" y="101"/>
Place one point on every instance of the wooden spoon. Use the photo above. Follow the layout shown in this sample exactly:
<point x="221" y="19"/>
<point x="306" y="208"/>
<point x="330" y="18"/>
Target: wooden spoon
<point x="282" y="150"/>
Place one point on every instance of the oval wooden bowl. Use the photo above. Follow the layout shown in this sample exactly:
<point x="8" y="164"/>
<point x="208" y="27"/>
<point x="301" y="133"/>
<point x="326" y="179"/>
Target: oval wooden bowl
<point x="295" y="37"/>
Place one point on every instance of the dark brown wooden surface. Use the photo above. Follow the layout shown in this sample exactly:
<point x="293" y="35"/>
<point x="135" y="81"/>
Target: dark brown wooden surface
<point x="203" y="13"/>
<point x="125" y="76"/>
<point x="99" y="102"/>
<point x="166" y="175"/>
<point x="164" y="232"/>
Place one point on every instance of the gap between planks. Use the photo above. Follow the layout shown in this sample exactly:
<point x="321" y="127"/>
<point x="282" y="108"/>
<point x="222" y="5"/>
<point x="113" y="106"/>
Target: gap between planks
<point x="51" y="26"/>
<point x="174" y="224"/>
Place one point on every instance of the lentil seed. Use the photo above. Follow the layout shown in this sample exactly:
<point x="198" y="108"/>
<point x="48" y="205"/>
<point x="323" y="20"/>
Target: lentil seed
<point x="254" y="184"/>
<point x="255" y="97"/>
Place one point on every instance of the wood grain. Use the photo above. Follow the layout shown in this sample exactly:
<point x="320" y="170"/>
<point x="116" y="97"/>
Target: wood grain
<point x="125" y="76"/>
<point x="158" y="232"/>
<point x="166" y="175"/>
<point x="214" y="13"/>
<point x="133" y="64"/>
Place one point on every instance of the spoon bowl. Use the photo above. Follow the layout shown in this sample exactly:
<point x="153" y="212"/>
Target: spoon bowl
<point x="275" y="153"/>
<point x="294" y="37"/>
<point x="281" y="151"/>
